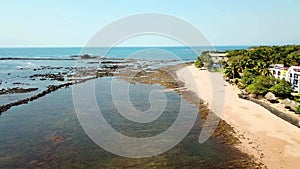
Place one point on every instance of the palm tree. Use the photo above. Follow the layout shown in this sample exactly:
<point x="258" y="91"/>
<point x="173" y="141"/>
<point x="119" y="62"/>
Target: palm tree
<point x="231" y="71"/>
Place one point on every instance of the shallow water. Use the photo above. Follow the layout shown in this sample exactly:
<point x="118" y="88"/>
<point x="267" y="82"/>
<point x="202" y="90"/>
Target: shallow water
<point x="46" y="133"/>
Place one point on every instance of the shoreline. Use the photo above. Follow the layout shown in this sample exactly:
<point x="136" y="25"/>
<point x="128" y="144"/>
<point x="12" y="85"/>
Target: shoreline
<point x="266" y="137"/>
<point x="168" y="78"/>
<point x="172" y="77"/>
<point x="217" y="147"/>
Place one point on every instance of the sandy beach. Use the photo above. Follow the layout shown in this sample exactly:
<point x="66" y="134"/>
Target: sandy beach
<point x="266" y="137"/>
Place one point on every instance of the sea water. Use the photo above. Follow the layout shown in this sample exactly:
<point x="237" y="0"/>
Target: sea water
<point x="47" y="134"/>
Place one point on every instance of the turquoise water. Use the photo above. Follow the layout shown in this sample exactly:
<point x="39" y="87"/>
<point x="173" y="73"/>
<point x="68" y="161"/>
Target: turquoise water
<point x="184" y="53"/>
<point x="19" y="71"/>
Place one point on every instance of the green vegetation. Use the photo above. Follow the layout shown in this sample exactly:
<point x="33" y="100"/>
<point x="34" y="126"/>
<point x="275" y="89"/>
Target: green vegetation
<point x="216" y="69"/>
<point x="248" y="78"/>
<point x="260" y="58"/>
<point x="198" y="63"/>
<point x="232" y="71"/>
<point x="261" y="85"/>
<point x="298" y="110"/>
<point x="203" y="60"/>
<point x="297" y="98"/>
<point x="251" y="68"/>
<point x="282" y="89"/>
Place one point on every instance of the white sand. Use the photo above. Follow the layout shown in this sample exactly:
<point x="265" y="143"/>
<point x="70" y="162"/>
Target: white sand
<point x="263" y="135"/>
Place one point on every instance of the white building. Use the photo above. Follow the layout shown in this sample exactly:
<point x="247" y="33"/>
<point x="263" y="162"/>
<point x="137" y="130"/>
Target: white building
<point x="291" y="74"/>
<point x="218" y="57"/>
<point x="279" y="71"/>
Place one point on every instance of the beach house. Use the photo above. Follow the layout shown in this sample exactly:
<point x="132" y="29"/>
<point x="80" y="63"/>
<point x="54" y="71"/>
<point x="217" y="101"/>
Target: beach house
<point x="290" y="74"/>
<point x="217" y="57"/>
<point x="293" y="76"/>
<point x="279" y="71"/>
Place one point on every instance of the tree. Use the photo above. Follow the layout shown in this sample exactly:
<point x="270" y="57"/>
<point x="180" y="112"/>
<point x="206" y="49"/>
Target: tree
<point x="224" y="63"/>
<point x="261" y="85"/>
<point x="231" y="71"/>
<point x="282" y="89"/>
<point x="294" y="58"/>
<point x="206" y="59"/>
<point x="263" y="68"/>
<point x="248" y="77"/>
<point x="198" y="63"/>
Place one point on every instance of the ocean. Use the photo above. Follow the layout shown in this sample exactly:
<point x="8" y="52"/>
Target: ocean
<point x="184" y="53"/>
<point x="35" y="61"/>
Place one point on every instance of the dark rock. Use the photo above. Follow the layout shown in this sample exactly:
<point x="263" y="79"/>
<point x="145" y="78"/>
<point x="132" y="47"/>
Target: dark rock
<point x="110" y="62"/>
<point x="16" y="90"/>
<point x="20" y="83"/>
<point x="243" y="96"/>
<point x="92" y="62"/>
<point x="87" y="56"/>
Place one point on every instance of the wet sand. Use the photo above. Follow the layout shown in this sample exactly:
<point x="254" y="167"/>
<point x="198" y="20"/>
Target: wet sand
<point x="271" y="140"/>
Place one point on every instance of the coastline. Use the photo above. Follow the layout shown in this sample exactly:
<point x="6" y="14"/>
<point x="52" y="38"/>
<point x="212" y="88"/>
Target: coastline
<point x="217" y="152"/>
<point x="168" y="77"/>
<point x="266" y="137"/>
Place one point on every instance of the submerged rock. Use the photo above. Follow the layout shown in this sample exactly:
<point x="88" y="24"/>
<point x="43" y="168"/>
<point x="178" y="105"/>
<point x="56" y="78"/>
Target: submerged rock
<point x="55" y="139"/>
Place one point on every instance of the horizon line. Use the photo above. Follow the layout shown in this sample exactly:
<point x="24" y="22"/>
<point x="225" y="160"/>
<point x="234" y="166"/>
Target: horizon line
<point x="245" y="45"/>
<point x="148" y="46"/>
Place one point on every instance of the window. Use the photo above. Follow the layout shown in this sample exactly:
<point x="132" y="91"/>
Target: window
<point x="295" y="84"/>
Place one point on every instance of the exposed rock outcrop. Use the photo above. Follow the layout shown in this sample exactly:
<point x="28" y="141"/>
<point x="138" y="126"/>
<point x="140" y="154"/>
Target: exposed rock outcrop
<point x="290" y="104"/>
<point x="271" y="97"/>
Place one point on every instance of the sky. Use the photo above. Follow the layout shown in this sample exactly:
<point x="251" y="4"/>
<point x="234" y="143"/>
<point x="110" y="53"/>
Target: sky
<point x="62" y="23"/>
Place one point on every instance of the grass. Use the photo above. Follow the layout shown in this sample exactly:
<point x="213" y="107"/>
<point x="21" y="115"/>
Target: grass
<point x="213" y="69"/>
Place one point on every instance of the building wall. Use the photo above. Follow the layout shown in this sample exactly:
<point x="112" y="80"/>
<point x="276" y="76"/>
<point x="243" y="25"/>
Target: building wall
<point x="289" y="75"/>
<point x="294" y="78"/>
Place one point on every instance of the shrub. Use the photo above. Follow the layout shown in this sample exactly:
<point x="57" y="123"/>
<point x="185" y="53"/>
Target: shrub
<point x="248" y="78"/>
<point x="261" y="85"/>
<point x="298" y="110"/>
<point x="297" y="98"/>
<point x="236" y="81"/>
<point x="282" y="89"/>
<point x="198" y="63"/>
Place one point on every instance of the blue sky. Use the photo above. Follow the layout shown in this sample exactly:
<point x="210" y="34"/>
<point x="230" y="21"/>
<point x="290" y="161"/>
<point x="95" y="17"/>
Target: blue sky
<point x="223" y="22"/>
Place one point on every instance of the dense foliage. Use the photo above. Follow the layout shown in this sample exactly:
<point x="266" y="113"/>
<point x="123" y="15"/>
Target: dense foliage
<point x="282" y="89"/>
<point x="298" y="110"/>
<point x="198" y="63"/>
<point x="203" y="60"/>
<point x="262" y="57"/>
<point x="252" y="68"/>
<point x="248" y="77"/>
<point x="261" y="85"/>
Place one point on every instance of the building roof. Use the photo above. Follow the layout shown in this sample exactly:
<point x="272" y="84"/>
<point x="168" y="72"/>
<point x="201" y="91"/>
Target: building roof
<point x="218" y="54"/>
